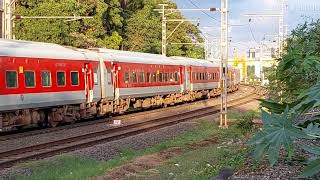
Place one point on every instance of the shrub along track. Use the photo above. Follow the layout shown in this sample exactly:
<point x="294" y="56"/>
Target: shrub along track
<point x="9" y="158"/>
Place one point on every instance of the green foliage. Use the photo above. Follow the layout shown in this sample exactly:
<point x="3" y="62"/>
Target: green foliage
<point x="245" y="121"/>
<point x="143" y="33"/>
<point x="278" y="131"/>
<point x="314" y="165"/>
<point x="201" y="163"/>
<point x="117" y="24"/>
<point x="66" y="167"/>
<point x="313" y="130"/>
<point x="298" y="68"/>
<point x="273" y="106"/>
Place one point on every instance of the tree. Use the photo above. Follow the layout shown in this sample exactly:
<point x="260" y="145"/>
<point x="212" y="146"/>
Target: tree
<point x="82" y="33"/>
<point x="143" y="33"/>
<point x="298" y="68"/>
<point x="118" y="24"/>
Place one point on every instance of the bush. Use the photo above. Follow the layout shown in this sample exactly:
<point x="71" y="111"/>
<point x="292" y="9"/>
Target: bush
<point x="245" y="121"/>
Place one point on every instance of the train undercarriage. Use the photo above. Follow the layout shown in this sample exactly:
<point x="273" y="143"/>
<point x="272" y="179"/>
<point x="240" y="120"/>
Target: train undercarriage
<point x="54" y="116"/>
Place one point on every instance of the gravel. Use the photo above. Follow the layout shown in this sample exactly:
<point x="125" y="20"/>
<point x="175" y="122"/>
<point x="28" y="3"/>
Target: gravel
<point x="127" y="119"/>
<point x="109" y="150"/>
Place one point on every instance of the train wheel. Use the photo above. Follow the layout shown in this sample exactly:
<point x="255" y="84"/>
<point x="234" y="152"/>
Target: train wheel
<point x="54" y="124"/>
<point x="43" y="124"/>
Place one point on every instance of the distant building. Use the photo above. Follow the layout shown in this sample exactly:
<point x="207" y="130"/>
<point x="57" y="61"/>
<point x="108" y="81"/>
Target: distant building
<point x="252" y="53"/>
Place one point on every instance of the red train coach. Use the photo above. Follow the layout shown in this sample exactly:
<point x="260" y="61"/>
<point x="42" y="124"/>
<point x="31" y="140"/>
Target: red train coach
<point x="35" y="76"/>
<point x="47" y="84"/>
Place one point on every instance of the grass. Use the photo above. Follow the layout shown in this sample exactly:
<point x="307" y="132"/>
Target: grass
<point x="75" y="167"/>
<point x="238" y="115"/>
<point x="62" y="167"/>
<point x="203" y="163"/>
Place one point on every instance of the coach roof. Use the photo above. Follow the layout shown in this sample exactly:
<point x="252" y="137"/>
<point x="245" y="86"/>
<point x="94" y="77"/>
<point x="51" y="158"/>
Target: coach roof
<point x="17" y="48"/>
<point x="146" y="58"/>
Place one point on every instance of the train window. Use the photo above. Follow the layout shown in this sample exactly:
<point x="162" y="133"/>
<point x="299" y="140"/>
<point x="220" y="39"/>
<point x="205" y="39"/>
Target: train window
<point x="148" y="77"/>
<point x="160" y="77"/>
<point x="46" y="78"/>
<point x="95" y="76"/>
<point x="11" y="79"/>
<point x="127" y="77"/>
<point x="176" y="76"/>
<point x="203" y="78"/>
<point x="198" y="76"/>
<point x="171" y="77"/>
<point x="142" y="79"/>
<point x="155" y="77"/>
<point x="134" y="76"/>
<point x="29" y="79"/>
<point x="61" y="78"/>
<point x="74" y="78"/>
<point x="165" y="77"/>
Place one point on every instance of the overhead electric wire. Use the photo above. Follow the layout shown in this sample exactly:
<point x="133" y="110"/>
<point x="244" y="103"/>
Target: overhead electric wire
<point x="195" y="5"/>
<point x="252" y="33"/>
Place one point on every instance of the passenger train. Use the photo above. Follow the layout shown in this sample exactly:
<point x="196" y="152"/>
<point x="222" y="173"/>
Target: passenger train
<point x="48" y="84"/>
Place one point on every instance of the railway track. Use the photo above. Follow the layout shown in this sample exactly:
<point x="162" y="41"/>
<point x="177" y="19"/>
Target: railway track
<point x="9" y="158"/>
<point x="33" y="132"/>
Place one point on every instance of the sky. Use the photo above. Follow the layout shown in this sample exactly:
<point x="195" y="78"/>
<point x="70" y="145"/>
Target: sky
<point x="249" y="35"/>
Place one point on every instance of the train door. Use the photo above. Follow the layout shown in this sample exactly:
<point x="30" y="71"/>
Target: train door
<point x="96" y="79"/>
<point x="187" y="79"/>
<point x="89" y="82"/>
<point x="108" y="83"/>
<point x="115" y="80"/>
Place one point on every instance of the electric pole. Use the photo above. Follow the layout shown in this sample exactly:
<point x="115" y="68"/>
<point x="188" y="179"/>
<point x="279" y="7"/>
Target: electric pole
<point x="2" y="19"/>
<point x="164" y="21"/>
<point x="164" y="30"/>
<point x="224" y="63"/>
<point x="7" y="21"/>
<point x="282" y="28"/>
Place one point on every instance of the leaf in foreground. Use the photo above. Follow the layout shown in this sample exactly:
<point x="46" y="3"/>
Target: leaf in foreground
<point x="278" y="131"/>
<point x="312" y="169"/>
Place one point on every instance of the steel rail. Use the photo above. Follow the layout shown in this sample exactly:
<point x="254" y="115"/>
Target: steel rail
<point x="12" y="157"/>
<point x="101" y="120"/>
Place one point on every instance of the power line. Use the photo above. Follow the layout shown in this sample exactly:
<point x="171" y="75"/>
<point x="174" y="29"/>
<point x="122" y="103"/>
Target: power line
<point x="195" y="5"/>
<point x="252" y="33"/>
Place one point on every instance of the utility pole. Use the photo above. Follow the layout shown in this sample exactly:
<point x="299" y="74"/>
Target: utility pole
<point x="282" y="26"/>
<point x="224" y="63"/>
<point x="164" y="30"/>
<point x="7" y="21"/>
<point x="8" y="18"/>
<point x="164" y="21"/>
<point x="2" y="19"/>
